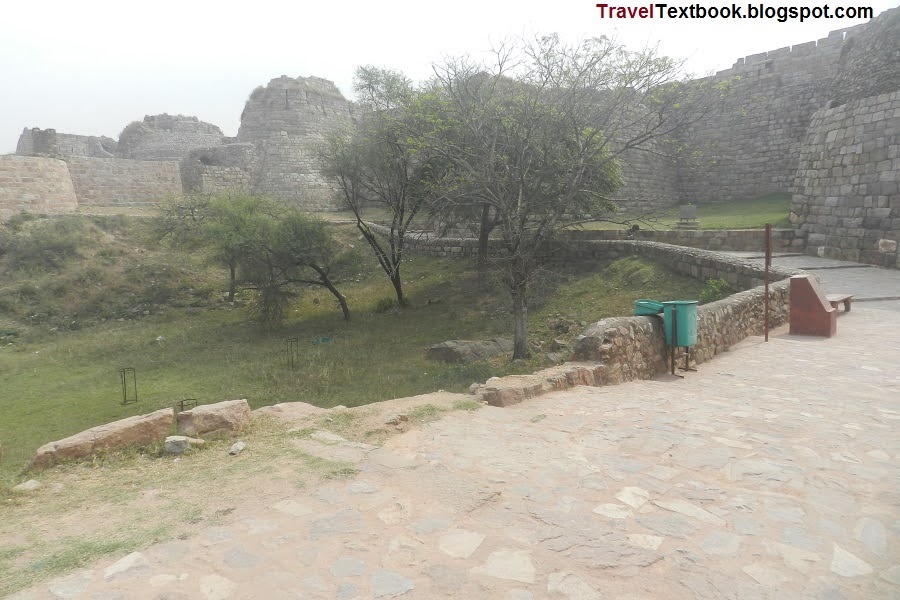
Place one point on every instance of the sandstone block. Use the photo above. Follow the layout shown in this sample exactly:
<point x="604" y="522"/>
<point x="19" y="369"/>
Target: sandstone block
<point x="140" y="430"/>
<point x="467" y="351"/>
<point x="232" y="415"/>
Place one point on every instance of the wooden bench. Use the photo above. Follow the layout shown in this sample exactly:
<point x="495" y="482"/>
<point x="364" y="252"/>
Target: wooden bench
<point x="836" y="299"/>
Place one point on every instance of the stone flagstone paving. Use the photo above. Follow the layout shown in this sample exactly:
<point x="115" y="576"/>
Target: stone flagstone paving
<point x="770" y="473"/>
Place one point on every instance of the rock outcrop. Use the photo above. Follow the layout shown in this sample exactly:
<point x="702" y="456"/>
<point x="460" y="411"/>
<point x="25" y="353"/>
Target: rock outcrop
<point x="467" y="351"/>
<point x="230" y="415"/>
<point x="140" y="430"/>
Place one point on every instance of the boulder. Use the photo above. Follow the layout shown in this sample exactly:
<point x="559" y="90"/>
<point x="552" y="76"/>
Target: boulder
<point x="231" y="415"/>
<point x="140" y="430"/>
<point x="29" y="486"/>
<point x="467" y="351"/>
<point x="177" y="444"/>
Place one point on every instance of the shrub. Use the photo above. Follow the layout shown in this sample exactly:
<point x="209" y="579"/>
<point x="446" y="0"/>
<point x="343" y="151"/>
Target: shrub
<point x="47" y="245"/>
<point x="385" y="305"/>
<point x="715" y="289"/>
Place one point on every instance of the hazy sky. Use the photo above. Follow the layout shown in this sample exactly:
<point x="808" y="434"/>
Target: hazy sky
<point x="92" y="66"/>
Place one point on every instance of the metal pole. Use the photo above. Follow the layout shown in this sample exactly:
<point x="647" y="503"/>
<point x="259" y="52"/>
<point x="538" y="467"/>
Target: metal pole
<point x="674" y="336"/>
<point x="768" y="265"/>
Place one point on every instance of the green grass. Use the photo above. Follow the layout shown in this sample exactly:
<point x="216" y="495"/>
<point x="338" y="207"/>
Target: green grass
<point x="57" y="383"/>
<point x="751" y="213"/>
<point x="128" y="500"/>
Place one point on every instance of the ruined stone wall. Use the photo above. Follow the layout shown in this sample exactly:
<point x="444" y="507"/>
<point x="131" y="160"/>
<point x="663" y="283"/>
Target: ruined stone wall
<point x="848" y="182"/>
<point x="228" y="169"/>
<point x="870" y="61"/>
<point x="38" y="185"/>
<point x="117" y="182"/>
<point x="286" y="121"/>
<point x="166" y="137"/>
<point x="48" y="142"/>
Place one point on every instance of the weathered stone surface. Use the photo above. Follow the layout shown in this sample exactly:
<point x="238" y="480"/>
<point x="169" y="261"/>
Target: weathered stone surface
<point x="766" y="575"/>
<point x="467" y="351"/>
<point x="388" y="584"/>
<point x="216" y="587"/>
<point x="231" y="415"/>
<point x="177" y="444"/>
<point x="133" y="565"/>
<point x="460" y="543"/>
<point x="721" y="543"/>
<point x="571" y="586"/>
<point x="846" y="564"/>
<point x="686" y="508"/>
<point x="613" y="511"/>
<point x="873" y="534"/>
<point x="71" y="586"/>
<point x="514" y="565"/>
<point x="142" y="430"/>
<point x="28" y="486"/>
<point x="347" y="566"/>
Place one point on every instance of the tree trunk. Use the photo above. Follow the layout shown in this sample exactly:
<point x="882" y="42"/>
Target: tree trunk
<point x="326" y="281"/>
<point x="484" y="231"/>
<point x="398" y="288"/>
<point x="520" y="310"/>
<point x="232" y="284"/>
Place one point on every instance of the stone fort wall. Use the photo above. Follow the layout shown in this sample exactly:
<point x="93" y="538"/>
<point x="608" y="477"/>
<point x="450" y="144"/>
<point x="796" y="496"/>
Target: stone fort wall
<point x="105" y="182"/>
<point x="847" y="196"/>
<point x="37" y="185"/>
<point x="166" y="137"/>
<point x="34" y="142"/>
<point x="751" y="145"/>
<point x="285" y="122"/>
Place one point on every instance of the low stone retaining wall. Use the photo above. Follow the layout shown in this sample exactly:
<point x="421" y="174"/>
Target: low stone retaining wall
<point x="620" y="349"/>
<point x="634" y="347"/>
<point x="736" y="240"/>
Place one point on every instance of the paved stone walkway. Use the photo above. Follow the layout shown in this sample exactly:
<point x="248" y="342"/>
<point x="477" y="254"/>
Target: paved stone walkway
<point x="880" y="287"/>
<point x="770" y="473"/>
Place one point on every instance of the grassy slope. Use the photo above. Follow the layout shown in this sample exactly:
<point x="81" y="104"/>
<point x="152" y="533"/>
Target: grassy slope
<point x="56" y="383"/>
<point x="738" y="214"/>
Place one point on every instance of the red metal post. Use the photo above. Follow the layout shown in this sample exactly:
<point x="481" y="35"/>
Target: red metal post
<point x="768" y="265"/>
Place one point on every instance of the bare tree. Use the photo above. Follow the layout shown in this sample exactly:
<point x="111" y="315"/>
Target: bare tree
<point x="377" y="163"/>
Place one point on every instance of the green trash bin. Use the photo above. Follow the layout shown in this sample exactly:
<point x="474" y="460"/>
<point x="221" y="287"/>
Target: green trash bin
<point x="685" y="312"/>
<point x="647" y="307"/>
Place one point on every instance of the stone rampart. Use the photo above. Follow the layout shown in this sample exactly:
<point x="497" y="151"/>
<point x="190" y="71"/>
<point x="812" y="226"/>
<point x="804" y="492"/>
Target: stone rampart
<point x="751" y="145"/>
<point x="38" y="185"/>
<point x="848" y="182"/>
<point x="287" y="120"/>
<point x="166" y="137"/>
<point x="47" y="142"/>
<point x="117" y="182"/>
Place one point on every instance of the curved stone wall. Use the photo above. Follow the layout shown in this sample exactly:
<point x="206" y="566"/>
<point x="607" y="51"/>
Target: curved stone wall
<point x="38" y="185"/>
<point x="847" y="198"/>
<point x="166" y="137"/>
<point x="286" y="121"/>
